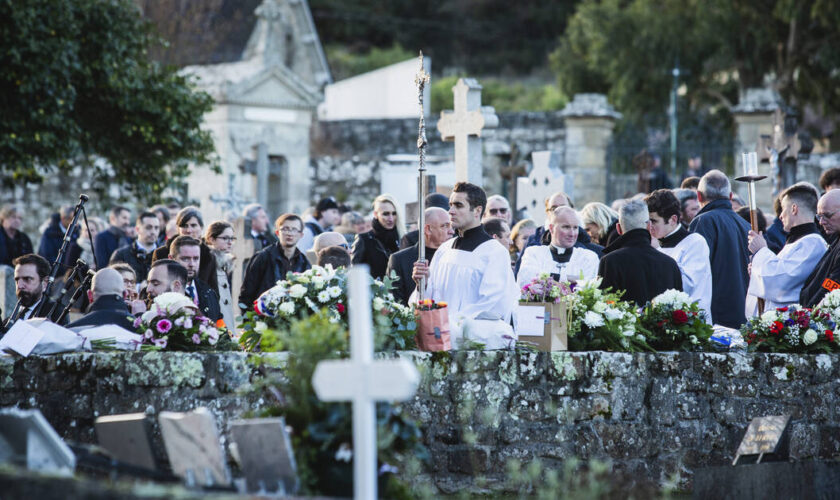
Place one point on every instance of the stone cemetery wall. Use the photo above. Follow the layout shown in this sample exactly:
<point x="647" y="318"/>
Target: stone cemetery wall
<point x="347" y="155"/>
<point x="657" y="417"/>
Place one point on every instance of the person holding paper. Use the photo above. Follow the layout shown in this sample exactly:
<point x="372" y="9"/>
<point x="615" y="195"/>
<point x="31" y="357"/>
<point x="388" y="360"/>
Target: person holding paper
<point x="107" y="305"/>
<point x="561" y="258"/>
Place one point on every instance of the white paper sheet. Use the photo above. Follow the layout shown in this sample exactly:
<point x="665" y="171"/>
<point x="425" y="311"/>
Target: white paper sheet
<point x="530" y="320"/>
<point x="21" y="338"/>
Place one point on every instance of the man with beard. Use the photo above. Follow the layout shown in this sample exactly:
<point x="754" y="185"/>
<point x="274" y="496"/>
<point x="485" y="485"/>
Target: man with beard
<point x="472" y="274"/>
<point x="138" y="254"/>
<point x="165" y="275"/>
<point x="186" y="250"/>
<point x="376" y="246"/>
<point x="271" y="264"/>
<point x="31" y="272"/>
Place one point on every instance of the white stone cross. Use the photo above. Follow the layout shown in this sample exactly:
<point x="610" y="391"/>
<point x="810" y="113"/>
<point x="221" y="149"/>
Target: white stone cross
<point x="464" y="126"/>
<point x="545" y="179"/>
<point x="364" y="381"/>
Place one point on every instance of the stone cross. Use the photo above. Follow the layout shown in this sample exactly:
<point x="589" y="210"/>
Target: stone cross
<point x="230" y="202"/>
<point x="464" y="125"/>
<point x="545" y="179"/>
<point x="364" y="381"/>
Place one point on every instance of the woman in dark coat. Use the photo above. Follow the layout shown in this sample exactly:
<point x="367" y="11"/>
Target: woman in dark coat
<point x="190" y="223"/>
<point x="376" y="246"/>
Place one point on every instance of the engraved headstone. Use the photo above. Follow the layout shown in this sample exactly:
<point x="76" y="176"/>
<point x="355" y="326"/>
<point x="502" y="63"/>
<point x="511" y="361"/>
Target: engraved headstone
<point x="28" y="440"/>
<point x="126" y="438"/>
<point x="545" y="179"/>
<point x="192" y="445"/>
<point x="265" y="454"/>
<point x="765" y="436"/>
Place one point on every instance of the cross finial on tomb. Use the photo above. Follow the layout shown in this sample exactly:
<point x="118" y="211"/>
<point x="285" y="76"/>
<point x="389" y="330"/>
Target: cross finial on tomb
<point x="364" y="381"/>
<point x="464" y="126"/>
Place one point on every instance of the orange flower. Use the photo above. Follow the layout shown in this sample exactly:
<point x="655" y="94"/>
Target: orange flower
<point x="442" y="303"/>
<point x="220" y="323"/>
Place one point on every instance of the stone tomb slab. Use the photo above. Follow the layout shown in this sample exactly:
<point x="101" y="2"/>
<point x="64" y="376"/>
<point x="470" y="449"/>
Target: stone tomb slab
<point x="192" y="444"/>
<point x="265" y="455"/>
<point x="126" y="437"/>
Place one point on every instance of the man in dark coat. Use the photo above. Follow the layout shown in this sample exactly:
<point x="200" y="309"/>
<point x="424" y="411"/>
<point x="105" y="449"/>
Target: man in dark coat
<point x="632" y="264"/>
<point x="271" y="264"/>
<point x="186" y="251"/>
<point x="53" y="236"/>
<point x="107" y="304"/>
<point x="13" y="242"/>
<point x="191" y="223"/>
<point x="31" y="272"/>
<point x="826" y="276"/>
<point x="114" y="237"/>
<point x="437" y="229"/>
<point x="138" y="254"/>
<point x="376" y="246"/>
<point x="726" y="233"/>
<point x="431" y="200"/>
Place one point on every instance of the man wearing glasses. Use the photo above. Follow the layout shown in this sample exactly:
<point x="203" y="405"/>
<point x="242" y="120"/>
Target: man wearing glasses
<point x="271" y="264"/>
<point x="498" y="208"/>
<point x="826" y="275"/>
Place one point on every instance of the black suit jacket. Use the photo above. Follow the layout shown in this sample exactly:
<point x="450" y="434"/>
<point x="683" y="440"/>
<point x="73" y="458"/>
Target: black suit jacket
<point x="266" y="268"/>
<point x="135" y="257"/>
<point x="206" y="264"/>
<point x="208" y="300"/>
<point x="402" y="263"/>
<point x="107" y="310"/>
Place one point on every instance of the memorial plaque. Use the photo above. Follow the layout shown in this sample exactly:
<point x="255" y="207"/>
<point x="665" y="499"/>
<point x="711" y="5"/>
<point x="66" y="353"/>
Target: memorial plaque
<point x="765" y="436"/>
<point x="126" y="437"/>
<point x="192" y="444"/>
<point x="265" y="455"/>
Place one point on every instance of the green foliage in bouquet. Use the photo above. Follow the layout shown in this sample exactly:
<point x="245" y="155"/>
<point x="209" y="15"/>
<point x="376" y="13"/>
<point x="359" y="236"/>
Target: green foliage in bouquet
<point x="793" y="329"/>
<point x="600" y="321"/>
<point x="323" y="291"/>
<point x="672" y="322"/>
<point x="174" y="323"/>
<point x="322" y="432"/>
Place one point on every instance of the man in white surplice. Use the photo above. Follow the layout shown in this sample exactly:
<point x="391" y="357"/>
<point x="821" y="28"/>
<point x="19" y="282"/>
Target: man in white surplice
<point x="690" y="250"/>
<point x="561" y="259"/>
<point x="472" y="274"/>
<point x="778" y="279"/>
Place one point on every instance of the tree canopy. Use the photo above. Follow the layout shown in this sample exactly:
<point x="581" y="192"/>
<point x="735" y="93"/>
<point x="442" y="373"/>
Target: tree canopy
<point x="627" y="49"/>
<point x="78" y="88"/>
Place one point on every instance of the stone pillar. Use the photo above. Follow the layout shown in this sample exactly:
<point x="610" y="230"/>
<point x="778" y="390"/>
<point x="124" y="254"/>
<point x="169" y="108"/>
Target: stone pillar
<point x="754" y="117"/>
<point x="7" y="290"/>
<point x="589" y="127"/>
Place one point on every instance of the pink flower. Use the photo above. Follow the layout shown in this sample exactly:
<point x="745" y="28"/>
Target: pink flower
<point x="196" y="339"/>
<point x="188" y="323"/>
<point x="164" y="326"/>
<point x="137" y="322"/>
<point x="161" y="343"/>
<point x="148" y="334"/>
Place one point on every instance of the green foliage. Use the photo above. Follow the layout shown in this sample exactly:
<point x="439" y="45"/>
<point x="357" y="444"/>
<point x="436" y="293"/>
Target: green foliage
<point x="502" y="95"/>
<point x="627" y="50"/>
<point x="345" y="63"/>
<point x="321" y="430"/>
<point x="675" y="327"/>
<point x="77" y="86"/>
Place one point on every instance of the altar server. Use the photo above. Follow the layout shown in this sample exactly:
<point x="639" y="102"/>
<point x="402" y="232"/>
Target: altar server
<point x="690" y="250"/>
<point x="561" y="258"/>
<point x="778" y="279"/>
<point x="472" y="274"/>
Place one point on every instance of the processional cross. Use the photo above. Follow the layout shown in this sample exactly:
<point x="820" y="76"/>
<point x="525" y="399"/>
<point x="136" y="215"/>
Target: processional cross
<point x="421" y="80"/>
<point x="364" y="381"/>
<point x="464" y="126"/>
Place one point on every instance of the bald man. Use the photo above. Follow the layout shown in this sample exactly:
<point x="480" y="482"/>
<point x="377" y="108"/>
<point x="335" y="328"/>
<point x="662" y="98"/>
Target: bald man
<point x="437" y="229"/>
<point x="826" y="275"/>
<point x="560" y="258"/>
<point x="107" y="304"/>
<point x="325" y="240"/>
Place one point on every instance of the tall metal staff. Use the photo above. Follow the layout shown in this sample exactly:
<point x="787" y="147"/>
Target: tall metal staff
<point x="421" y="79"/>
<point x="750" y="161"/>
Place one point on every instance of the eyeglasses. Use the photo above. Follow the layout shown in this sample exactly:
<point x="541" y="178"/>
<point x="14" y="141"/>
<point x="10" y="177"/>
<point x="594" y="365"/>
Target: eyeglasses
<point x="227" y="238"/>
<point x="826" y="216"/>
<point x="290" y="230"/>
<point x="502" y="211"/>
<point x="345" y="246"/>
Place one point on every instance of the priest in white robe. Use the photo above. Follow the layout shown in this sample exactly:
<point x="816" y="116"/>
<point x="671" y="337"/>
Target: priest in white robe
<point x="472" y="274"/>
<point x="561" y="259"/>
<point x="778" y="279"/>
<point x="690" y="250"/>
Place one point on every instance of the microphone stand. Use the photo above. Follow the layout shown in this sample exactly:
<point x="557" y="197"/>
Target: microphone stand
<point x="79" y="270"/>
<point x="76" y="295"/>
<point x="61" y="251"/>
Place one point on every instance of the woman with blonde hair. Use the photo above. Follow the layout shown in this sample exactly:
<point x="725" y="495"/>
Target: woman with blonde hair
<point x="376" y="246"/>
<point x="599" y="221"/>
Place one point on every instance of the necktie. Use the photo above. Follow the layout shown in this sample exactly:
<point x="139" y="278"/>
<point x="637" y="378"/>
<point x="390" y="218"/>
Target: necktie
<point x="191" y="293"/>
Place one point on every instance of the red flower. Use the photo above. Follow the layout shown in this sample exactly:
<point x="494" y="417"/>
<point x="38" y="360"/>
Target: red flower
<point x="340" y="308"/>
<point x="679" y="316"/>
<point x="782" y="309"/>
<point x="829" y="335"/>
<point x="777" y="327"/>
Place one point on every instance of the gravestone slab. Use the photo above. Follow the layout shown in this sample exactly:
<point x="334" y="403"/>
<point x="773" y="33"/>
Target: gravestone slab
<point x="265" y="455"/>
<point x="801" y="480"/>
<point x="192" y="444"/>
<point x="27" y="439"/>
<point x="126" y="437"/>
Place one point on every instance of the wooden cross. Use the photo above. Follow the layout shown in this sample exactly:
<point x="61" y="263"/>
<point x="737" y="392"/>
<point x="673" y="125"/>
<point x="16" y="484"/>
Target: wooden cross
<point x="364" y="381"/>
<point x="464" y="126"/>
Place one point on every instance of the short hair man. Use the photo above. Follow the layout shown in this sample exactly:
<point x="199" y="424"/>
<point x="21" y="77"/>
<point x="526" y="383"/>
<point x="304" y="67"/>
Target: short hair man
<point x="53" y="235"/>
<point x="119" y="220"/>
<point x="778" y="279"/>
<point x="560" y="258"/>
<point x="324" y="217"/>
<point x="107" y="304"/>
<point x="260" y="231"/>
<point x="138" y="254"/>
<point x="690" y="183"/>
<point x="31" y="272"/>
<point x="166" y="275"/>
<point x="826" y="274"/>
<point x="726" y="234"/>
<point x="830" y="179"/>
<point x="271" y="264"/>
<point x="499" y="230"/>
<point x="498" y="207"/>
<point x="13" y="241"/>
<point x="471" y="273"/>
<point x="689" y="206"/>
<point x="437" y="228"/>
<point x="689" y="250"/>
<point x="334" y="256"/>
<point x="431" y="200"/>
<point x="187" y="251"/>
<point x="631" y="264"/>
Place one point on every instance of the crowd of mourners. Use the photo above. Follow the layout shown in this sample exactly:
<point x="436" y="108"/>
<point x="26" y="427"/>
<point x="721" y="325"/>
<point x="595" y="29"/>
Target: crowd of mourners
<point x="696" y="238"/>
